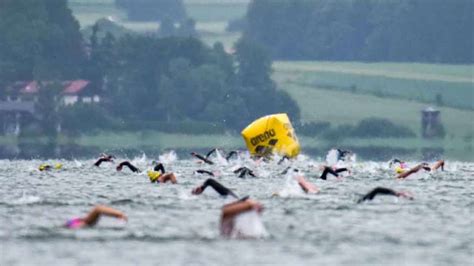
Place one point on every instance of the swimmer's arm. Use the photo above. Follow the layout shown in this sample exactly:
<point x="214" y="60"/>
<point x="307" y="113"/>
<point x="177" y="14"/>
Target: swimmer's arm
<point x="211" y="152"/>
<point x="378" y="190"/>
<point x="238" y="170"/>
<point x="98" y="162"/>
<point x="411" y="171"/>
<point x="235" y="208"/>
<point x="306" y="186"/>
<point x="230" y="154"/>
<point x="159" y="167"/>
<point x="200" y="171"/>
<point x="93" y="217"/>
<point x="203" y="159"/>
<point x="438" y="164"/>
<point x="339" y="170"/>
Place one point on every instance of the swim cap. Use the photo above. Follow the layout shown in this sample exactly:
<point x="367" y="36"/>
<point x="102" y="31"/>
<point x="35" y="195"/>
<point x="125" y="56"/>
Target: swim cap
<point x="153" y="175"/>
<point x="399" y="170"/>
<point x="43" y="167"/>
<point x="58" y="166"/>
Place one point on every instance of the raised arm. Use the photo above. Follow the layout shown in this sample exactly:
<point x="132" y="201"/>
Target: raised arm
<point x="200" y="157"/>
<point x="93" y="217"/>
<point x="232" y="209"/>
<point x="218" y="187"/>
<point x="328" y="170"/>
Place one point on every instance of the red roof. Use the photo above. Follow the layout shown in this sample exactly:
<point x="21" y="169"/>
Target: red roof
<point x="69" y="87"/>
<point x="76" y="86"/>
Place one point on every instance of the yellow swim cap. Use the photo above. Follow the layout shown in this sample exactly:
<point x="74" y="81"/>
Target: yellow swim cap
<point x="153" y="175"/>
<point x="399" y="170"/>
<point x="58" y="166"/>
<point x="44" y="167"/>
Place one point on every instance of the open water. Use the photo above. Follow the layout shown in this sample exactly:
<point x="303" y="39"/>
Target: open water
<point x="170" y="226"/>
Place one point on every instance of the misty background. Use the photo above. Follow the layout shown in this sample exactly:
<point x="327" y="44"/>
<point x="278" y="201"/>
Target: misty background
<point x="383" y="78"/>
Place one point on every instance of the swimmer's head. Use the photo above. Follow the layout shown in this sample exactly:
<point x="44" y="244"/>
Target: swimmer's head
<point x="44" y="167"/>
<point x="58" y="166"/>
<point x="153" y="175"/>
<point x="118" y="168"/>
<point x="399" y="170"/>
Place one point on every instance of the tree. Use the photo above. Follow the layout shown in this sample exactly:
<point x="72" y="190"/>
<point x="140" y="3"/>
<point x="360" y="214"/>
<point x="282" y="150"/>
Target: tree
<point x="39" y="36"/>
<point x="404" y="30"/>
<point x="47" y="106"/>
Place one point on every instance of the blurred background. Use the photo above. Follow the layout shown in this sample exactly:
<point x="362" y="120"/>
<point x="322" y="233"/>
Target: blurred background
<point x="383" y="78"/>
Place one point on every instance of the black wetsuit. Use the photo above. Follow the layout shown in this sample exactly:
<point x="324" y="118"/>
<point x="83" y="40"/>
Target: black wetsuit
<point x="342" y="154"/>
<point x="230" y="154"/>
<point x="129" y="165"/>
<point x="287" y="169"/>
<point x="159" y="167"/>
<point x="378" y="190"/>
<point x="202" y="158"/>
<point x="101" y="160"/>
<point x="395" y="160"/>
<point x="200" y="171"/>
<point x="284" y="158"/>
<point x="218" y="187"/>
<point x="328" y="170"/>
<point x="243" y="171"/>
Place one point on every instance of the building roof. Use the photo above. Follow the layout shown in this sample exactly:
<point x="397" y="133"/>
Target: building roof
<point x="69" y="87"/>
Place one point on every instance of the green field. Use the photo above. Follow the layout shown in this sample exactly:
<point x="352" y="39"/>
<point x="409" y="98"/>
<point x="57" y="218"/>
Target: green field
<point x="345" y="106"/>
<point x="453" y="85"/>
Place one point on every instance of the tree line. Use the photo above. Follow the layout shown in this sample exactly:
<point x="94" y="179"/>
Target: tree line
<point x="141" y="78"/>
<point x="435" y="31"/>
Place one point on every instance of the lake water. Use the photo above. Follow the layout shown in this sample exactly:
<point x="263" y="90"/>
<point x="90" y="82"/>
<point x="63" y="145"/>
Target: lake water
<point x="170" y="226"/>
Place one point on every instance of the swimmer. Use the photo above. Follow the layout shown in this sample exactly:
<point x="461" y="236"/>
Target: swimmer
<point x="129" y="165"/>
<point x="93" y="217"/>
<point x="341" y="154"/>
<point x="104" y="158"/>
<point x="284" y="158"/>
<point x="262" y="152"/>
<point x="159" y="167"/>
<point x="306" y="186"/>
<point x="159" y="174"/>
<point x="200" y="171"/>
<point x="230" y="154"/>
<point x="328" y="170"/>
<point x="384" y="191"/>
<point x="424" y="166"/>
<point x="218" y="187"/>
<point x="232" y="210"/>
<point x="288" y="169"/>
<point x="47" y="167"/>
<point x="163" y="178"/>
<point x="244" y="171"/>
<point x="395" y="161"/>
<point x="202" y="158"/>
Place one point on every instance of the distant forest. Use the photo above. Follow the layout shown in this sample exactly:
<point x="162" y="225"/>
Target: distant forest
<point x="435" y="31"/>
<point x="143" y="80"/>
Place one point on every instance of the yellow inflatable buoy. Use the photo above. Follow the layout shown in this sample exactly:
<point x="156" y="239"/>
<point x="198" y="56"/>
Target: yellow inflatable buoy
<point x="153" y="175"/>
<point x="271" y="134"/>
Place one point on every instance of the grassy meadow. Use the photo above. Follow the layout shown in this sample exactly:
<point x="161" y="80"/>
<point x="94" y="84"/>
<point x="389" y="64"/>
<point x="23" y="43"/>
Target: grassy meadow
<point x="452" y="85"/>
